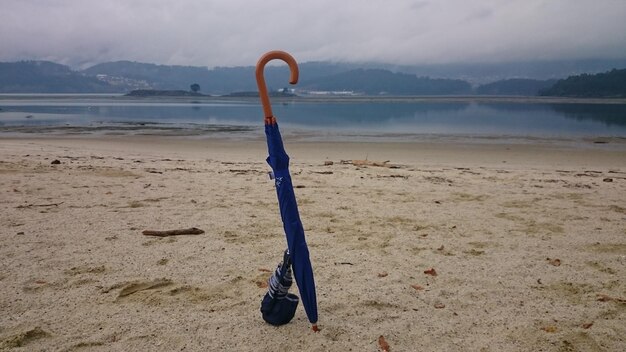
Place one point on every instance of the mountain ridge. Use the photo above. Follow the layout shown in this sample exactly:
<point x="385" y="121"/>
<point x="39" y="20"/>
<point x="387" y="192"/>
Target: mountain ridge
<point x="364" y="78"/>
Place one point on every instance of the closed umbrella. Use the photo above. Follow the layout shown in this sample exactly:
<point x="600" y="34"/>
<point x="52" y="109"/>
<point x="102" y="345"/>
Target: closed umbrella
<point x="297" y="251"/>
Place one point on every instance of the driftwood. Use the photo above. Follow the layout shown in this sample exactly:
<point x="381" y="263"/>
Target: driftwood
<point x="370" y="163"/>
<point x="361" y="163"/>
<point x="190" y="231"/>
<point x="606" y="298"/>
<point x="39" y="205"/>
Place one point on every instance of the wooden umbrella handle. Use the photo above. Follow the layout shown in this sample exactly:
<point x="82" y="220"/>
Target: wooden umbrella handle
<point x="260" y="79"/>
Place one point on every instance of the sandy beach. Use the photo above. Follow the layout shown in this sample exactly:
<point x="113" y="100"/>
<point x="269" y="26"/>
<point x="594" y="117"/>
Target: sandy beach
<point x="527" y="242"/>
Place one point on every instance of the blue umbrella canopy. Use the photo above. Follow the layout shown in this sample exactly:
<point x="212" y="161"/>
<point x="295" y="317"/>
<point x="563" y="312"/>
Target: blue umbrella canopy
<point x="278" y="160"/>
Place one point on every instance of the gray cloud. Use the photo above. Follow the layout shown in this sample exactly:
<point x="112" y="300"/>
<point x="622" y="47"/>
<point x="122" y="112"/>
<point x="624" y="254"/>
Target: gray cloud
<point x="237" y="32"/>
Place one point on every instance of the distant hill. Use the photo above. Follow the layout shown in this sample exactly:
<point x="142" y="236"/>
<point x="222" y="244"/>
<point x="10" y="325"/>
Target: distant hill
<point x="366" y="78"/>
<point x="224" y="80"/>
<point x="610" y="84"/>
<point x="482" y="73"/>
<point x="156" y="76"/>
<point x="47" y="77"/>
<point x="126" y="76"/>
<point x="314" y="76"/>
<point x="216" y="81"/>
<point x="516" y="86"/>
<point x="377" y="81"/>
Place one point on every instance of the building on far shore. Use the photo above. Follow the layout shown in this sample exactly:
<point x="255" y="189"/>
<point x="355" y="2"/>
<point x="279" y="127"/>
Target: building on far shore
<point x="329" y="92"/>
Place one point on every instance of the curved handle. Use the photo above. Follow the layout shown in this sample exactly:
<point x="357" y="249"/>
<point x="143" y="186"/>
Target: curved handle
<point x="260" y="80"/>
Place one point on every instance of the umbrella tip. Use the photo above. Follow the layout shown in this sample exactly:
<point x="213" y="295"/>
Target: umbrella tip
<point x="315" y="328"/>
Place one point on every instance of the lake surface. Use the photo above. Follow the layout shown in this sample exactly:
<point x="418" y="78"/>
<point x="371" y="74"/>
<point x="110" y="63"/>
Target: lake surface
<point x="344" y="119"/>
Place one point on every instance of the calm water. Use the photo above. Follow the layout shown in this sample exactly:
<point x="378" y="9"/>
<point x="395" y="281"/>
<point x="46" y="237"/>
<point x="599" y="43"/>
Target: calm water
<point x="391" y="120"/>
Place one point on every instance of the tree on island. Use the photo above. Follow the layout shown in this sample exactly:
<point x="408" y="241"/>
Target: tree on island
<point x="195" y="87"/>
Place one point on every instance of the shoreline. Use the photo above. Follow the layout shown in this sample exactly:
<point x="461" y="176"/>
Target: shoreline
<point x="492" y="150"/>
<point x="121" y="97"/>
<point x="296" y="134"/>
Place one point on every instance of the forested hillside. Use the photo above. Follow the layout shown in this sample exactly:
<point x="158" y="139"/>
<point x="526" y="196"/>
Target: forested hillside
<point x="610" y="84"/>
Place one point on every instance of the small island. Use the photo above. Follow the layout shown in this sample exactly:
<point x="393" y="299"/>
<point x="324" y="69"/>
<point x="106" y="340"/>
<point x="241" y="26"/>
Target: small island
<point x="163" y="93"/>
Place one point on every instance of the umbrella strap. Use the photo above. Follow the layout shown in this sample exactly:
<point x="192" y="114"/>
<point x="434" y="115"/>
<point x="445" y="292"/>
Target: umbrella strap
<point x="286" y="259"/>
<point x="281" y="281"/>
<point x="282" y="173"/>
<point x="279" y="287"/>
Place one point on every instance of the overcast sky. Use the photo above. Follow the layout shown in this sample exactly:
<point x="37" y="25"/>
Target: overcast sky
<point x="236" y="32"/>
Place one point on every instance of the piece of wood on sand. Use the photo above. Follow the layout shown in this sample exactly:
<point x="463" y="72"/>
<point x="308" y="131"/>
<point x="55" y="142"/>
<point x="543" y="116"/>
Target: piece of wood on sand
<point x="39" y="205"/>
<point x="365" y="163"/>
<point x="189" y="231"/>
<point x="370" y="163"/>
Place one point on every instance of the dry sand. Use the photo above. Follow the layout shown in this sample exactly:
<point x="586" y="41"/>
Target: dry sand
<point x="528" y="242"/>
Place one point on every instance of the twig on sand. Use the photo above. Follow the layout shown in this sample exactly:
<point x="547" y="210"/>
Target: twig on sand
<point x="39" y="205"/>
<point x="361" y="163"/>
<point x="370" y="163"/>
<point x="323" y="172"/>
<point x="606" y="298"/>
<point x="189" y="231"/>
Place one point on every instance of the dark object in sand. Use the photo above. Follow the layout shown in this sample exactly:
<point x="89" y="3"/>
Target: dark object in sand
<point x="39" y="205"/>
<point x="430" y="271"/>
<point x="55" y="162"/>
<point x="606" y="298"/>
<point x="190" y="231"/>
<point x="323" y="172"/>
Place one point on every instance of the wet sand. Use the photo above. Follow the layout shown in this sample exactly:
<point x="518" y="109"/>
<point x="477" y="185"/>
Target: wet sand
<point x="528" y="242"/>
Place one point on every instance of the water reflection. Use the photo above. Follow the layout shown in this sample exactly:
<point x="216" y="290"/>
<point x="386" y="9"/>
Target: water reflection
<point x="609" y="114"/>
<point x="501" y="118"/>
<point x="364" y="115"/>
